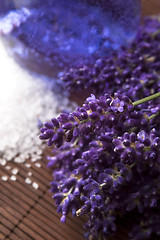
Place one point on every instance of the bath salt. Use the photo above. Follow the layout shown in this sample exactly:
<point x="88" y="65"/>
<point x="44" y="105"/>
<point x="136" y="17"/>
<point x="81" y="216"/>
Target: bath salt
<point x="15" y="171"/>
<point x="27" y="165"/>
<point x="8" y="167"/>
<point x="29" y="174"/>
<point x="35" y="185"/>
<point x="13" y="178"/>
<point x="28" y="181"/>
<point x="4" y="178"/>
<point x="38" y="165"/>
<point x="26" y="100"/>
<point x="3" y="162"/>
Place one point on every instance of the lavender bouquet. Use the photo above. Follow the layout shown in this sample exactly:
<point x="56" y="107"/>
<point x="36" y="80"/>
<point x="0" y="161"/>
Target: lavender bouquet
<point x="106" y="154"/>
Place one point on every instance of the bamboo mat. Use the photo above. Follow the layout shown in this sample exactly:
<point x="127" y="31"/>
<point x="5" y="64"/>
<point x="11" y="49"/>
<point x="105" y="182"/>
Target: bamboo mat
<point x="30" y="214"/>
<point x="27" y="213"/>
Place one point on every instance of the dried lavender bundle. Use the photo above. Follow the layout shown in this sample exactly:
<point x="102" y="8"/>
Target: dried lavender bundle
<point x="106" y="155"/>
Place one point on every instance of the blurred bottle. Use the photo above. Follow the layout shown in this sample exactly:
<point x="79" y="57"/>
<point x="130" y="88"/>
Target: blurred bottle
<point x="66" y="33"/>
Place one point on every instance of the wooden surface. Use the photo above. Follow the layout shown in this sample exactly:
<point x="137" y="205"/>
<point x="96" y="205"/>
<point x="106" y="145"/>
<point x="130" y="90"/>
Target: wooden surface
<point x="30" y="214"/>
<point x="150" y="7"/>
<point x="26" y="213"/>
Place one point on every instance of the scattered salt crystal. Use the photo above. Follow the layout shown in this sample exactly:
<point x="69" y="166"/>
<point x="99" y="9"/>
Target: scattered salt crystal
<point x="39" y="157"/>
<point x="19" y="160"/>
<point x="38" y="165"/>
<point x="15" y="171"/>
<point x="34" y="159"/>
<point x="4" y="178"/>
<point x="35" y="185"/>
<point x="13" y="178"/>
<point x="29" y="174"/>
<point x="9" y="157"/>
<point x="28" y="181"/>
<point x="28" y="165"/>
<point x="8" y="167"/>
<point x="39" y="152"/>
<point x="3" y="162"/>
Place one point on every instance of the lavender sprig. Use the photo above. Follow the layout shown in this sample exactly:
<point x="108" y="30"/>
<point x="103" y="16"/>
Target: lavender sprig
<point x="101" y="149"/>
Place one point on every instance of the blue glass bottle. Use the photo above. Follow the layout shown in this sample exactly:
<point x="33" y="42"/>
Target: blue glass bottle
<point x="66" y="33"/>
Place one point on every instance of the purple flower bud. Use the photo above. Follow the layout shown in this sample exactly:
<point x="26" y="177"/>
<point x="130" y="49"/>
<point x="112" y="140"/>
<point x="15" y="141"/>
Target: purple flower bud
<point x="63" y="118"/>
<point x="58" y="196"/>
<point x="49" y="132"/>
<point x="77" y="114"/>
<point x="76" y="191"/>
<point x="49" y="125"/>
<point x="84" y="115"/>
<point x="55" y="137"/>
<point x="126" y="142"/>
<point x="133" y="137"/>
<point x="43" y="129"/>
<point x="55" y="122"/>
<point x="60" y="132"/>
<point x="79" y="162"/>
<point x="43" y="136"/>
<point x="67" y="126"/>
<point x="50" y="142"/>
<point x="52" y="161"/>
<point x="91" y="99"/>
<point x="93" y="106"/>
<point x="63" y="219"/>
<point x="120" y="180"/>
<point x="93" y="144"/>
<point x="139" y="146"/>
<point x="94" y="115"/>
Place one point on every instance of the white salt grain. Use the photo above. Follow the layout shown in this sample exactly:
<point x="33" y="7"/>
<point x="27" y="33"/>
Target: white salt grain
<point x="4" y="178"/>
<point x="28" y="181"/>
<point x="28" y="165"/>
<point x="34" y="159"/>
<point x="3" y="162"/>
<point x="8" y="167"/>
<point x="14" y="171"/>
<point x="19" y="160"/>
<point x="35" y="185"/>
<point x="29" y="174"/>
<point x="39" y="152"/>
<point x="38" y="165"/>
<point x="13" y="178"/>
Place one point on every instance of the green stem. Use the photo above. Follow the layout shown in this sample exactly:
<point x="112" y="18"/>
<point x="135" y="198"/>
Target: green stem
<point x="76" y="141"/>
<point x="153" y="116"/>
<point x="133" y="164"/>
<point x="155" y="33"/>
<point x="146" y="99"/>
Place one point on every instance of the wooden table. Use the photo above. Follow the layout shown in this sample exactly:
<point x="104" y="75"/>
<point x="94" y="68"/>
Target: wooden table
<point x="26" y="213"/>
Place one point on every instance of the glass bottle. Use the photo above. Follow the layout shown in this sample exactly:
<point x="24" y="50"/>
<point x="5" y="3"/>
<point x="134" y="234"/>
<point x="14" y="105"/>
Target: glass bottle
<point x="66" y="33"/>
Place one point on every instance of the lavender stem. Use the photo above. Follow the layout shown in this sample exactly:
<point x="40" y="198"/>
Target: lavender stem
<point x="146" y="99"/>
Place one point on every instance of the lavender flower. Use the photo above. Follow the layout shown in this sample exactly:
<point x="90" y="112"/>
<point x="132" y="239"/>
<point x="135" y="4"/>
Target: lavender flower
<point x="107" y="152"/>
<point x="95" y="114"/>
<point x="132" y="70"/>
<point x="105" y="145"/>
